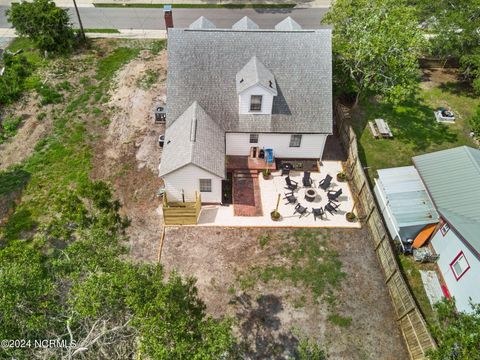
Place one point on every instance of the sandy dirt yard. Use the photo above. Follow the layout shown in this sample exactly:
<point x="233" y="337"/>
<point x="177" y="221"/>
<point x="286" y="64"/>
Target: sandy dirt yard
<point x="129" y="154"/>
<point x="270" y="315"/>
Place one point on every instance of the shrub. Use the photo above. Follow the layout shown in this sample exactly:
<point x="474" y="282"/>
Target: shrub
<point x="46" y="24"/>
<point x="475" y="123"/>
<point x="12" y="83"/>
<point x="9" y="127"/>
<point x="48" y="94"/>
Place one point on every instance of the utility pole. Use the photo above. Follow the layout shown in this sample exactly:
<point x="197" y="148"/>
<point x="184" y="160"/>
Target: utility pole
<point x="79" y="21"/>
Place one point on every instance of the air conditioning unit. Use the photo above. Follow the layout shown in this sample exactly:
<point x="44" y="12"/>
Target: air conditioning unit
<point x="160" y="114"/>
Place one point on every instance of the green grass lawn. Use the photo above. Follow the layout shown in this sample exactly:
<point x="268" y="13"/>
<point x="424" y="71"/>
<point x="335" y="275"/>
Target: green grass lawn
<point x="414" y="126"/>
<point x="412" y="274"/>
<point x="62" y="159"/>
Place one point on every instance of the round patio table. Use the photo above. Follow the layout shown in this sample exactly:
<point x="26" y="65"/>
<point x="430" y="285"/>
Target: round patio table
<point x="310" y="195"/>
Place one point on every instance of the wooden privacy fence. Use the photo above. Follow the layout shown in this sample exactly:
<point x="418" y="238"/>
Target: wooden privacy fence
<point x="409" y="317"/>
<point x="181" y="213"/>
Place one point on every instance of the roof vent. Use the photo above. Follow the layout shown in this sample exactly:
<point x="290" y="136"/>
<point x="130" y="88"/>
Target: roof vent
<point x="245" y="23"/>
<point x="193" y="130"/>
<point x="202" y="23"/>
<point x="288" y="25"/>
<point x="241" y="81"/>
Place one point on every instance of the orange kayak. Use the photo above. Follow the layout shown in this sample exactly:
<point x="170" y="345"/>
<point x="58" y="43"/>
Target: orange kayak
<point x="424" y="235"/>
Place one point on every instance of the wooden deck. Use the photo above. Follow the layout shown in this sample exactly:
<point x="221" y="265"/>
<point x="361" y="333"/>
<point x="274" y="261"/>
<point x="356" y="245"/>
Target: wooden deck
<point x="245" y="162"/>
<point x="181" y="213"/>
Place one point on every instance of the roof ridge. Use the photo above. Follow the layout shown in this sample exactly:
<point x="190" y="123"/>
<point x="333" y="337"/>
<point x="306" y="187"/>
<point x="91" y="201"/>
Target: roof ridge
<point x="468" y="150"/>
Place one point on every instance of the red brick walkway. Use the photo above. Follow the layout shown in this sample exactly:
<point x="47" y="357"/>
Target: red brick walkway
<point x="246" y="193"/>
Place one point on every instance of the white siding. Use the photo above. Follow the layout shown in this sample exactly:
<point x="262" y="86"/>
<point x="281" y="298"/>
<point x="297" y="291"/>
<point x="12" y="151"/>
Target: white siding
<point x="312" y="145"/>
<point x="448" y="247"/>
<point x="244" y="100"/>
<point x="187" y="179"/>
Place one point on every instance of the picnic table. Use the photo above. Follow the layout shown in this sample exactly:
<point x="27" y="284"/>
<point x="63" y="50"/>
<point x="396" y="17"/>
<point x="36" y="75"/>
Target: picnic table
<point x="383" y="128"/>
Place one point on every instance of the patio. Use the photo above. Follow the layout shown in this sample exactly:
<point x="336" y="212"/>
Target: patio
<point x="217" y="215"/>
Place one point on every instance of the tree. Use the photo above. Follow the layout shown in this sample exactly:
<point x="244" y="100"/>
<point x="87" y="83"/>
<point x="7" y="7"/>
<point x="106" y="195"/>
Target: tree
<point x="375" y="45"/>
<point x="71" y="283"/>
<point x="46" y="24"/>
<point x="458" y="333"/>
<point x="455" y="26"/>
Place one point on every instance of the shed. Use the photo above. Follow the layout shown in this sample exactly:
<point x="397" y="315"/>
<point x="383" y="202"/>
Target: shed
<point x="404" y="202"/>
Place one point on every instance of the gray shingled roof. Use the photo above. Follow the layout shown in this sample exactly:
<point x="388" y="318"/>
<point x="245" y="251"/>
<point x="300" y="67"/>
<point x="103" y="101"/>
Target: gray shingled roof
<point x="202" y="23"/>
<point x="194" y="138"/>
<point x="245" y="23"/>
<point x="255" y="73"/>
<point x="288" y="25"/>
<point x="203" y="65"/>
<point x="452" y="178"/>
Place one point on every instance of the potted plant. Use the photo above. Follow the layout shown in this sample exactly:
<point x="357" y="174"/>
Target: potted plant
<point x="351" y="217"/>
<point x="341" y="176"/>
<point x="275" y="215"/>
<point x="266" y="174"/>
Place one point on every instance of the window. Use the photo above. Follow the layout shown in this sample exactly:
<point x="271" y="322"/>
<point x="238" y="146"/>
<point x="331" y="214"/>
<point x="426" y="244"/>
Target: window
<point x="295" y="140"/>
<point x="253" y="138"/>
<point x="256" y="103"/>
<point x="459" y="265"/>
<point x="205" y="185"/>
<point x="444" y="229"/>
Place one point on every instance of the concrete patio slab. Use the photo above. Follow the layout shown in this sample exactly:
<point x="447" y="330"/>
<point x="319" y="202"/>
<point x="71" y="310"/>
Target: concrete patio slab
<point x="216" y="215"/>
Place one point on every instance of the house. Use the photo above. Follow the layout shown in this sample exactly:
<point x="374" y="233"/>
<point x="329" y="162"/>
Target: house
<point x="232" y="93"/>
<point x="452" y="178"/>
<point x="444" y="188"/>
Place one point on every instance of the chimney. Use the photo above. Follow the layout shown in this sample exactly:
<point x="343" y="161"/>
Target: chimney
<point x="167" y="14"/>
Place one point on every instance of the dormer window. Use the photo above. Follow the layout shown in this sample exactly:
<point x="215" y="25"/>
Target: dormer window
<point x="256" y="103"/>
<point x="256" y="88"/>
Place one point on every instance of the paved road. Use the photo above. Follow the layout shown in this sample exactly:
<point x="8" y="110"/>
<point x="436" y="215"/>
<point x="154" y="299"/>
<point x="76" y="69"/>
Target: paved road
<point x="152" y="19"/>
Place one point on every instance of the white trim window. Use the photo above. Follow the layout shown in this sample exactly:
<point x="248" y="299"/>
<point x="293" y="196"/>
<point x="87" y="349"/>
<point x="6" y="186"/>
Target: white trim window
<point x="253" y="138"/>
<point x="256" y="103"/>
<point x="205" y="185"/>
<point x="444" y="229"/>
<point x="295" y="140"/>
<point x="459" y="265"/>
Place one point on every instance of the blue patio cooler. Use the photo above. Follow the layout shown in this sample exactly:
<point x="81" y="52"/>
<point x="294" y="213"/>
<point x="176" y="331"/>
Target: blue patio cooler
<point x="269" y="155"/>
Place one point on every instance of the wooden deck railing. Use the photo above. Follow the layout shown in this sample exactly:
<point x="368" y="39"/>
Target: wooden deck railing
<point x="181" y="213"/>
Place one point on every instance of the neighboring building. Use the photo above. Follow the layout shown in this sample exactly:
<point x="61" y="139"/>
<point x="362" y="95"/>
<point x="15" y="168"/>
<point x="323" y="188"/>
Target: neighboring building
<point x="233" y="92"/>
<point x="442" y="187"/>
<point x="404" y="202"/>
<point x="452" y="178"/>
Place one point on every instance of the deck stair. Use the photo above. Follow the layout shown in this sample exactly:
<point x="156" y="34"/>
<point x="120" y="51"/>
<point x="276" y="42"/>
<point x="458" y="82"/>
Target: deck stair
<point x="245" y="173"/>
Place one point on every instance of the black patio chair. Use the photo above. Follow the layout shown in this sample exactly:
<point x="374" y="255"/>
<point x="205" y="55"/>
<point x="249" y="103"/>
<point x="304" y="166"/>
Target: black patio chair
<point x="290" y="197"/>
<point x="291" y="184"/>
<point x="331" y="207"/>
<point x="318" y="212"/>
<point x="333" y="195"/>
<point x="300" y="209"/>
<point x="307" y="180"/>
<point x="325" y="183"/>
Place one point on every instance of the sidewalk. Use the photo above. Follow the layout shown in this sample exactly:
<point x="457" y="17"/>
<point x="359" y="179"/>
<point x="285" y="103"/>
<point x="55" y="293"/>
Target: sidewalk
<point x="124" y="34"/>
<point x="90" y="3"/>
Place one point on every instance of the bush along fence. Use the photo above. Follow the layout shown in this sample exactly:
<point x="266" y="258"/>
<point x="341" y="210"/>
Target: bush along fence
<point x="408" y="315"/>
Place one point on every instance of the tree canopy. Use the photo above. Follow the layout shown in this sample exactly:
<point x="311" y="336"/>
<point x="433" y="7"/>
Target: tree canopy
<point x="43" y="22"/>
<point x="376" y="45"/>
<point x="458" y="333"/>
<point x="455" y="30"/>
<point x="72" y="283"/>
